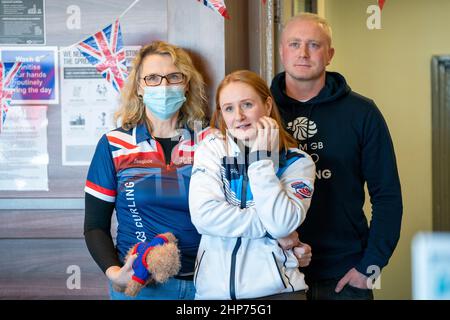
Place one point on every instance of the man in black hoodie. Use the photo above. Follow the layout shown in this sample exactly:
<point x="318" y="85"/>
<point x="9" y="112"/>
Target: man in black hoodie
<point x="348" y="139"/>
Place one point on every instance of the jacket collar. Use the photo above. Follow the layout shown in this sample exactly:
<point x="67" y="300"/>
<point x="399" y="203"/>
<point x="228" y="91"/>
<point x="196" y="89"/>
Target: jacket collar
<point x="142" y="134"/>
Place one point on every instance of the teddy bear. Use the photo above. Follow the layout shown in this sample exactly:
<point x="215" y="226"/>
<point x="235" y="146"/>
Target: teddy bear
<point x="157" y="261"/>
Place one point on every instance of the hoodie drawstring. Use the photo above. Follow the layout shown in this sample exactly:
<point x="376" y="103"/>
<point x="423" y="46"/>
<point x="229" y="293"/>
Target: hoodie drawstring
<point x="307" y="125"/>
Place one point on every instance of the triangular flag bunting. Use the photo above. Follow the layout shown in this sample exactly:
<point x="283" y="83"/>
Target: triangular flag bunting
<point x="105" y="51"/>
<point x="218" y="6"/>
<point x="7" y="88"/>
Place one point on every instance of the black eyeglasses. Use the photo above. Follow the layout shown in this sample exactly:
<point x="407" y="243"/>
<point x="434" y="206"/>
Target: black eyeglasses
<point x="153" y="80"/>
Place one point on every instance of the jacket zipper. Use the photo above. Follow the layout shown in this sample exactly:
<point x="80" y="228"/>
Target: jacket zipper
<point x="238" y="241"/>
<point x="197" y="269"/>
<point x="278" y="269"/>
<point x="233" y="269"/>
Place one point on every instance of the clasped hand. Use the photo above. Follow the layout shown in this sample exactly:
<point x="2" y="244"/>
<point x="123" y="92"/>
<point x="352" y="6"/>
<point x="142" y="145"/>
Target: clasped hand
<point x="302" y="251"/>
<point x="121" y="275"/>
<point x="267" y="135"/>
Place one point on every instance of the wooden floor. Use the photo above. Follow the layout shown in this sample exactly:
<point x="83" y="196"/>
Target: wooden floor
<point x="41" y="253"/>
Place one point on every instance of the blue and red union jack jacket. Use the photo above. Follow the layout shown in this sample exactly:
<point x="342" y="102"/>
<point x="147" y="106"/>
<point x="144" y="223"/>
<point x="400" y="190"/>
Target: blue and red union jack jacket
<point x="151" y="197"/>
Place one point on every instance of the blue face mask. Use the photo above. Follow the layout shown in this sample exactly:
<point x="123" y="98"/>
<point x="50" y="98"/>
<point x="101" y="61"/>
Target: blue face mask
<point x="164" y="101"/>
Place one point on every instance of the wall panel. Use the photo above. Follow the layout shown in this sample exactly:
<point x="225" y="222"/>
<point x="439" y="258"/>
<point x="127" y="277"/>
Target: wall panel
<point x="37" y="245"/>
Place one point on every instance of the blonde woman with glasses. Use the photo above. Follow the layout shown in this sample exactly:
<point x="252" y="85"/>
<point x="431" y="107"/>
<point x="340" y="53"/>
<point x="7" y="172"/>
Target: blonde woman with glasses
<point x="142" y="170"/>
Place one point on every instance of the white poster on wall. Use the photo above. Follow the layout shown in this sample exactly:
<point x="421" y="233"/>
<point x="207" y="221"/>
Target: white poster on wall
<point x="88" y="103"/>
<point x="23" y="149"/>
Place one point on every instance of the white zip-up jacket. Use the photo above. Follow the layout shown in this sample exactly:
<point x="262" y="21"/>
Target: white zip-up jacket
<point x="240" y="210"/>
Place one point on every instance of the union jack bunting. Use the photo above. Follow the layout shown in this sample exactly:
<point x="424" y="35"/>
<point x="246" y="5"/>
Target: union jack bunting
<point x="105" y="51"/>
<point x="6" y="88"/>
<point x="218" y="6"/>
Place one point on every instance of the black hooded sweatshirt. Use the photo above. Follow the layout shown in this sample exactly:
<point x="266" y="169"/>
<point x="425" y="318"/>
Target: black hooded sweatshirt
<point x="348" y="139"/>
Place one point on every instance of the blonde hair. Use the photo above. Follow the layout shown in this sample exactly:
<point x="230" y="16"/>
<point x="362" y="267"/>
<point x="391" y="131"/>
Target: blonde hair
<point x="259" y="85"/>
<point x="132" y="109"/>
<point x="307" y="16"/>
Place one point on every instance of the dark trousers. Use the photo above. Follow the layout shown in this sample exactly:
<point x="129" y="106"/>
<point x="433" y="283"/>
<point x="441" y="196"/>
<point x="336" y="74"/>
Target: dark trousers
<point x="297" y="295"/>
<point x="324" y="290"/>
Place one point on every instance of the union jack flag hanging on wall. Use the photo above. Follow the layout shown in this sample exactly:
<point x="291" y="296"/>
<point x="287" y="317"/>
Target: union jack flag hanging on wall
<point x="218" y="6"/>
<point x="6" y="88"/>
<point x="105" y="51"/>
